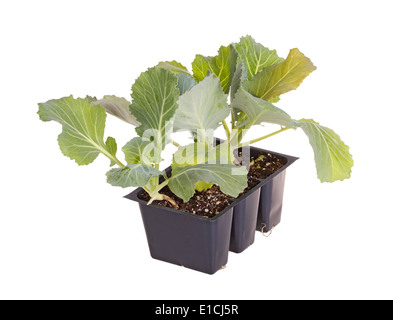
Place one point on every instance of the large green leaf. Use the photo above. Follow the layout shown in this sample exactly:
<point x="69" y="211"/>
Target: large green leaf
<point x="138" y="150"/>
<point x="277" y="79"/>
<point x="132" y="175"/>
<point x="231" y="179"/>
<point x="155" y="96"/>
<point x="255" y="56"/>
<point x="223" y="66"/>
<point x="173" y="66"/>
<point x="82" y="138"/>
<point x="202" y="108"/>
<point x="118" y="107"/>
<point x="249" y="110"/>
<point x="332" y="157"/>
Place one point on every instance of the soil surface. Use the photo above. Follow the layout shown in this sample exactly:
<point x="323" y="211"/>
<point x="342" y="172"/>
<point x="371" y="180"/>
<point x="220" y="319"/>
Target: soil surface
<point x="208" y="203"/>
<point x="265" y="165"/>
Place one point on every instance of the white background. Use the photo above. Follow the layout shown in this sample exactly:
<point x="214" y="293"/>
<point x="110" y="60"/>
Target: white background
<point x="66" y="234"/>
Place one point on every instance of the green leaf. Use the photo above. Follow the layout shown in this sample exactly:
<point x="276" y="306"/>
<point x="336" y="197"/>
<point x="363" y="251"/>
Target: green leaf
<point x="132" y="175"/>
<point x="238" y="78"/>
<point x="118" y="107"/>
<point x="222" y="66"/>
<point x="185" y="82"/>
<point x="173" y="66"/>
<point x="202" y="108"/>
<point x="185" y="79"/>
<point x="250" y="110"/>
<point x="189" y="155"/>
<point x="255" y="56"/>
<point x="231" y="179"/>
<point x="82" y="138"/>
<point x="277" y="79"/>
<point x="138" y="150"/>
<point x="332" y="157"/>
<point x="112" y="148"/>
<point x="155" y="96"/>
<point x="203" y="185"/>
<point x="199" y="152"/>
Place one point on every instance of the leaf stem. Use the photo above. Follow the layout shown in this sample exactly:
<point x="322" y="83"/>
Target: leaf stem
<point x="227" y="131"/>
<point x="112" y="157"/>
<point x="264" y="137"/>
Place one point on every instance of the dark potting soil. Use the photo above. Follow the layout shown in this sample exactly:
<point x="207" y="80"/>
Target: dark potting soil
<point x="208" y="203"/>
<point x="265" y="165"/>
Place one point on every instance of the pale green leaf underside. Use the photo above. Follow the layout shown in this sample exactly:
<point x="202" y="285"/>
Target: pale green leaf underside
<point x="155" y="96"/>
<point x="277" y="79"/>
<point x="173" y="66"/>
<point x="332" y="157"/>
<point x="255" y="56"/>
<point x="231" y="179"/>
<point x="249" y="110"/>
<point x="82" y="138"/>
<point x="118" y="107"/>
<point x="139" y="151"/>
<point x="203" y="107"/>
<point x="222" y="66"/>
<point x="132" y="175"/>
<point x="185" y="79"/>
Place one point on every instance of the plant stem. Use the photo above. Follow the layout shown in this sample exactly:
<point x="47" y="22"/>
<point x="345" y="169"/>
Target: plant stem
<point x="264" y="137"/>
<point x="176" y="144"/>
<point x="119" y="162"/>
<point x="227" y="131"/>
<point x="160" y="196"/>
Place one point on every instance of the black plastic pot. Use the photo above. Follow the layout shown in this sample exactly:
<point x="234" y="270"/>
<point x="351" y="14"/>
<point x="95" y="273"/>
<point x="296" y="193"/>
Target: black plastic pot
<point x="203" y="244"/>
<point x="269" y="210"/>
<point x="272" y="192"/>
<point x="186" y="239"/>
<point x="197" y="242"/>
<point x="245" y="215"/>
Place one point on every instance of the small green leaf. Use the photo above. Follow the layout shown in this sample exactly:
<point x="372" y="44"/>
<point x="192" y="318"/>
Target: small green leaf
<point x="82" y="138"/>
<point x="332" y="157"/>
<point x="203" y="185"/>
<point x="118" y="107"/>
<point x="203" y="107"/>
<point x="112" y="148"/>
<point x="255" y="56"/>
<point x="132" y="175"/>
<point x="139" y="151"/>
<point x="231" y="179"/>
<point x="155" y="96"/>
<point x="277" y="79"/>
<point x="222" y="66"/>
<point x="173" y="66"/>
<point x="250" y="110"/>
